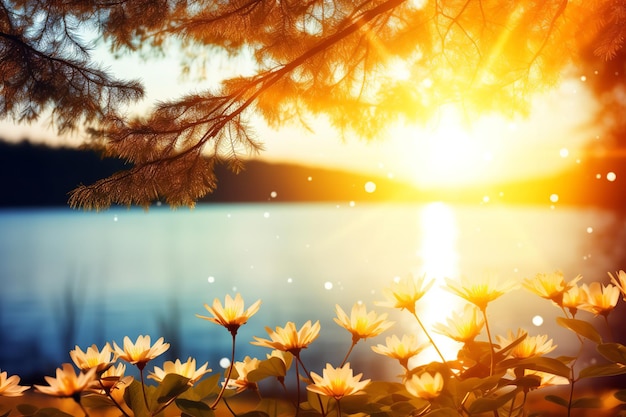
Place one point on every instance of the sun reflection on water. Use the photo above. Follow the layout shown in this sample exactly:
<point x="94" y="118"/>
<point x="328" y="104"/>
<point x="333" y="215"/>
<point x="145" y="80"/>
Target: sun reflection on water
<point x="439" y="257"/>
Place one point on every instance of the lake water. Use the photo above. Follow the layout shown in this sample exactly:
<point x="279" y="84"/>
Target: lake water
<point x="72" y="277"/>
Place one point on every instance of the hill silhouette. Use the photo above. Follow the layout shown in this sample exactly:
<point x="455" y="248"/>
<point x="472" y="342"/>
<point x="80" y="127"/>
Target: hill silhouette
<point x="38" y="175"/>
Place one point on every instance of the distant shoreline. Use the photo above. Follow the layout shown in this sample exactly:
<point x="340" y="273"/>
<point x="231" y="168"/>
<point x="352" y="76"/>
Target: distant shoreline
<point x="39" y="176"/>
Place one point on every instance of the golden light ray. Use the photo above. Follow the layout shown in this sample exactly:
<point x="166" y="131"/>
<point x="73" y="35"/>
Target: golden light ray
<point x="440" y="259"/>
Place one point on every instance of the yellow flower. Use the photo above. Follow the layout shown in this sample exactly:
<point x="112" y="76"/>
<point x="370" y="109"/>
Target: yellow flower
<point x="288" y="338"/>
<point x="361" y="323"/>
<point x="550" y="286"/>
<point x="187" y="370"/>
<point x="574" y="298"/>
<point x="67" y="383"/>
<point x="285" y="357"/>
<point x="480" y="293"/>
<point x="93" y="358"/>
<point x="530" y="347"/>
<point x="546" y="379"/>
<point x="400" y="349"/>
<point x="601" y="299"/>
<point x="243" y="369"/>
<point x="232" y="314"/>
<point x="463" y="327"/>
<point x="426" y="385"/>
<point x="337" y="382"/>
<point x="112" y="376"/>
<point x="620" y="282"/>
<point x="140" y="352"/>
<point x="405" y="292"/>
<point x="9" y="386"/>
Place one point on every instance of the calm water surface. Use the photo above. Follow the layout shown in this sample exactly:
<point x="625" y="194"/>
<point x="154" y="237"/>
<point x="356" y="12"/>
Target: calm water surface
<point x="72" y="277"/>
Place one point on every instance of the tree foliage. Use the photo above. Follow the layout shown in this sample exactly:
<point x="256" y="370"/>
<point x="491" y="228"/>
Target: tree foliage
<point x="334" y="58"/>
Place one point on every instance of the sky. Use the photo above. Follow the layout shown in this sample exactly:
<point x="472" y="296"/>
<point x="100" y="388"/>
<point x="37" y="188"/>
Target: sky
<point x="442" y="153"/>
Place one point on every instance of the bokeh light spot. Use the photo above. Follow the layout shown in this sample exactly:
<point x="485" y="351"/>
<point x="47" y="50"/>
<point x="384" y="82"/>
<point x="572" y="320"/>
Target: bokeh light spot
<point x="537" y="320"/>
<point x="328" y="285"/>
<point x="370" y="187"/>
<point x="611" y="176"/>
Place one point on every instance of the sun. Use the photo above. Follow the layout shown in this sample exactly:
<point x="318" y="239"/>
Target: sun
<point x="446" y="153"/>
<point x="451" y="156"/>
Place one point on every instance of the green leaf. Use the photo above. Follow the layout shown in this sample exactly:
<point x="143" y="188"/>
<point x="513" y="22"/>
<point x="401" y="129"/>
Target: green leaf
<point x="557" y="400"/>
<point x="405" y="408"/>
<point x="204" y="389"/>
<point x="443" y="412"/>
<point x="267" y="368"/>
<point x="194" y="408"/>
<point x="133" y="397"/>
<point x="377" y="390"/>
<point x="27" y="409"/>
<point x="543" y="364"/>
<point x="170" y="387"/>
<point x="614" y="352"/>
<point x="50" y="412"/>
<point x="620" y="395"/>
<point x="610" y="369"/>
<point x="483" y="405"/>
<point x="527" y="382"/>
<point x="587" y="402"/>
<point x="275" y="407"/>
<point x="255" y="413"/>
<point x="318" y="402"/>
<point x="472" y="384"/>
<point x="96" y="401"/>
<point x="580" y="327"/>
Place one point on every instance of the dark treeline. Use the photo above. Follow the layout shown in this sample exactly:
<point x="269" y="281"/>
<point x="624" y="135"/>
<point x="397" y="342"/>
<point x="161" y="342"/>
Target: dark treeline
<point x="38" y="176"/>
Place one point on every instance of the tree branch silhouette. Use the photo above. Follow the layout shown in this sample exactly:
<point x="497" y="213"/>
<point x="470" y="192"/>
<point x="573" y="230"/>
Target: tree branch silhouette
<point x="313" y="58"/>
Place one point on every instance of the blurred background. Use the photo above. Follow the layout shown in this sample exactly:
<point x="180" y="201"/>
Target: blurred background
<point x="317" y="220"/>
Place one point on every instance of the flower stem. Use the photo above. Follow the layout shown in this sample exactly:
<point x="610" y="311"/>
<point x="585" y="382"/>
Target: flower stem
<point x="297" y="386"/>
<point x="348" y="354"/>
<point x="108" y="393"/>
<point x="230" y="370"/>
<point x="493" y="352"/>
<point x="76" y="398"/>
<point x="143" y="388"/>
<point x="83" y="408"/>
<point x="432" y="342"/>
<point x="229" y="409"/>
<point x="608" y="327"/>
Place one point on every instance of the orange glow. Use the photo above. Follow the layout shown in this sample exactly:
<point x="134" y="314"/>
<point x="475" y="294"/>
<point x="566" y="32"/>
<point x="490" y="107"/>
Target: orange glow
<point x="454" y="152"/>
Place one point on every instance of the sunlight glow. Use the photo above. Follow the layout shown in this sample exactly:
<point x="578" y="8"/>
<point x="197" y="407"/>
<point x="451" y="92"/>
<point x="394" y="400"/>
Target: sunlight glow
<point x="447" y="153"/>
<point x="439" y="235"/>
<point x="370" y="187"/>
<point x="456" y="149"/>
<point x="440" y="260"/>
